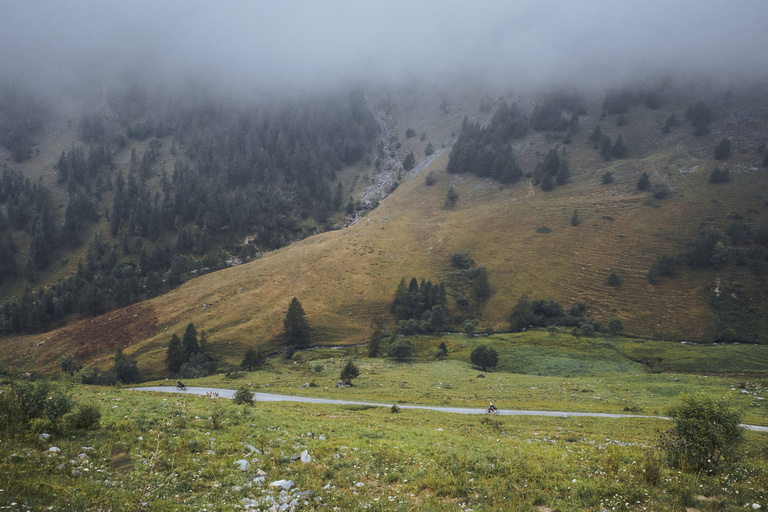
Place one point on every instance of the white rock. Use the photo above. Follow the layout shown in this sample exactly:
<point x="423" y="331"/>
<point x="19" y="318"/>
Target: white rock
<point x="305" y="457"/>
<point x="54" y="449"/>
<point x="244" y="464"/>
<point x="285" y="485"/>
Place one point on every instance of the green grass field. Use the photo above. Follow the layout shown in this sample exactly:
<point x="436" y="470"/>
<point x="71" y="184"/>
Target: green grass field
<point x="161" y="451"/>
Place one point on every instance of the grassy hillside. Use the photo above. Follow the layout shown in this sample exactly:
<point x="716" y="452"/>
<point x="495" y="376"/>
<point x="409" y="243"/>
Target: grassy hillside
<point x="346" y="278"/>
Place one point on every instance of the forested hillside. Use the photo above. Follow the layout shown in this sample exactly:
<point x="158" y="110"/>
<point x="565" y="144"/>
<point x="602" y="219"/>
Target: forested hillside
<point x="185" y="183"/>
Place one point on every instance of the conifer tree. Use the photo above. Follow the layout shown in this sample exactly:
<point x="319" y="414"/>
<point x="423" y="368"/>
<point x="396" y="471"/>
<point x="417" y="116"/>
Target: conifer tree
<point x="189" y="341"/>
<point x="296" y="326"/>
<point x="175" y="356"/>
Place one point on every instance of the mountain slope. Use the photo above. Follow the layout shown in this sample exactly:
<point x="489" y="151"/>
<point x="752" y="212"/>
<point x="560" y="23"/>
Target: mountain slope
<point x="346" y="278"/>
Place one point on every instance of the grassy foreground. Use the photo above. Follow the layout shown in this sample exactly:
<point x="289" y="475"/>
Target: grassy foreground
<point x="182" y="452"/>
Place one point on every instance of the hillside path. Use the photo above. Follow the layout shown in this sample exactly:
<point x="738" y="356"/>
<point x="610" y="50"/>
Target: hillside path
<point x="269" y="397"/>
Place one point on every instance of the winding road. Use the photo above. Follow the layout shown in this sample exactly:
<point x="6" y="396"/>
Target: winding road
<point x="269" y="397"/>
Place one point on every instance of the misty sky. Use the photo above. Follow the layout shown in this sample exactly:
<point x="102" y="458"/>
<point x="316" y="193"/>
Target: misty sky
<point x="243" y="44"/>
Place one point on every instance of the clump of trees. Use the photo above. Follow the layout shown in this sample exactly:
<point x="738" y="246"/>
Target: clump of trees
<point x="420" y="307"/>
<point x="471" y="286"/>
<point x="487" y="151"/>
<point x="548" y="313"/>
<point x="187" y="357"/>
<point x="700" y="115"/>
<point x="552" y="171"/>
<point x="557" y="111"/>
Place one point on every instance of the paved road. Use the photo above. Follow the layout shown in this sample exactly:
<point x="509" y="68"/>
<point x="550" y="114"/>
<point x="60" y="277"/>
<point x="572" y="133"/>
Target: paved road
<point x="269" y="397"/>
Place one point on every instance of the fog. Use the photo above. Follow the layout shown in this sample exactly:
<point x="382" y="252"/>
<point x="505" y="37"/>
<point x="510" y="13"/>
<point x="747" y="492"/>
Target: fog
<point x="292" y="45"/>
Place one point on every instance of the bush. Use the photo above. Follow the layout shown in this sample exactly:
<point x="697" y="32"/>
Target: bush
<point x="41" y="403"/>
<point x="83" y="418"/>
<point x="607" y="178"/>
<point x="706" y="434"/>
<point x="243" y="396"/>
<point x="661" y="191"/>
<point x="400" y="349"/>
<point x="719" y="176"/>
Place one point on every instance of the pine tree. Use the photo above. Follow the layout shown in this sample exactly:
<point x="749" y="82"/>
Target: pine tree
<point x="296" y="326"/>
<point x="409" y="162"/>
<point x="174" y="356"/>
<point x="252" y="360"/>
<point x="349" y="372"/>
<point x="189" y="341"/>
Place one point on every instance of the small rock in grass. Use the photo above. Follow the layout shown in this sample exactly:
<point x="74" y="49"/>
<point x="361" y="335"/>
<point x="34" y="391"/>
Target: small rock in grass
<point x="285" y="485"/>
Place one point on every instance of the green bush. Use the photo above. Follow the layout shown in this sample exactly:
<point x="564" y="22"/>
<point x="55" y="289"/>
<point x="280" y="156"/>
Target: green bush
<point x="243" y="396"/>
<point x="84" y="417"/>
<point x="40" y="403"/>
<point x="706" y="434"/>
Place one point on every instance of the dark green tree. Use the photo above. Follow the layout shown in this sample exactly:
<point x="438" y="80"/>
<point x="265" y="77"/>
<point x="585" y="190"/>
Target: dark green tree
<point x="619" y="150"/>
<point x="409" y="162"/>
<point x="349" y="372"/>
<point x="644" y="183"/>
<point x="613" y="279"/>
<point x="400" y="349"/>
<point x="243" y="396"/>
<point x="606" y="147"/>
<point x="174" y="355"/>
<point x="719" y="176"/>
<point x="522" y="314"/>
<point x="723" y="150"/>
<point x="442" y="350"/>
<point x="429" y="149"/>
<point x="189" y="341"/>
<point x="484" y="357"/>
<point x="615" y="326"/>
<point x="575" y="221"/>
<point x="451" y="198"/>
<point x="297" y="331"/>
<point x="252" y="360"/>
<point x="125" y="369"/>
<point x="607" y="178"/>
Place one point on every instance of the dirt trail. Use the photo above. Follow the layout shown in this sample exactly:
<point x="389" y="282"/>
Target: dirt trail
<point x="269" y="397"/>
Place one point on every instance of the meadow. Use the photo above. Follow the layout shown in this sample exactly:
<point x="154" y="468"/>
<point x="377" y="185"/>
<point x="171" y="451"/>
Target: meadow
<point x="160" y="451"/>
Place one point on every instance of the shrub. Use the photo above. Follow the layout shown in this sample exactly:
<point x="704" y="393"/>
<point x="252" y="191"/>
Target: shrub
<point x="400" y="349"/>
<point x="243" y="396"/>
<point x="661" y="191"/>
<point x="431" y="179"/>
<point x="462" y="261"/>
<point x="706" y="434"/>
<point x="83" y="418"/>
<point x="607" y="178"/>
<point x="451" y="198"/>
<point x="40" y="402"/>
<point x="719" y="176"/>
<point x="613" y="279"/>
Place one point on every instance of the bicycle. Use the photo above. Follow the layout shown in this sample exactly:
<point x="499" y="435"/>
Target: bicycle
<point x="181" y="387"/>
<point x="493" y="410"/>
